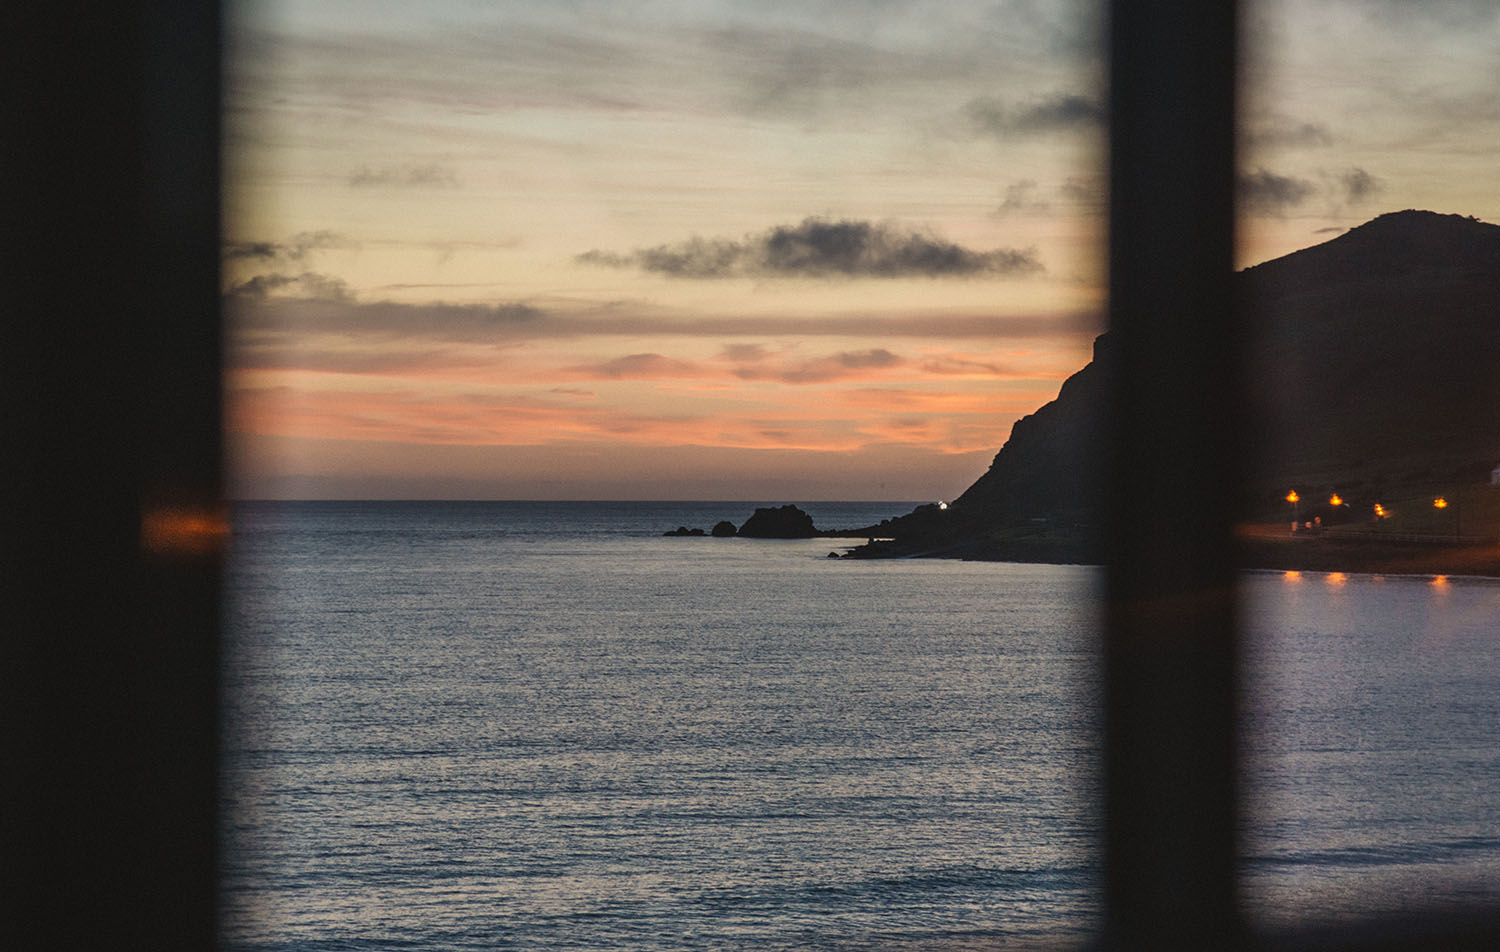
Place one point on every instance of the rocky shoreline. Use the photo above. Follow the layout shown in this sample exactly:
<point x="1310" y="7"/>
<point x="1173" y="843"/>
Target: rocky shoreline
<point x="924" y="534"/>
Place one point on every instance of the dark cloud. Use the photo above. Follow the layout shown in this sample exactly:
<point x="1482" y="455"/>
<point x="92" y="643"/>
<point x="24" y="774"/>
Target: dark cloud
<point x="1063" y="112"/>
<point x="283" y="270"/>
<point x="1264" y="191"/>
<point x="404" y="176"/>
<point x="308" y="284"/>
<point x="262" y="250"/>
<point x="1269" y="193"/>
<point x="822" y="248"/>
<point x="290" y="251"/>
<point x="1358" y="185"/>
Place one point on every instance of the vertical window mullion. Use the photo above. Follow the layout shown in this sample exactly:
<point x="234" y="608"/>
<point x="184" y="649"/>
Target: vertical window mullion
<point x="1170" y="645"/>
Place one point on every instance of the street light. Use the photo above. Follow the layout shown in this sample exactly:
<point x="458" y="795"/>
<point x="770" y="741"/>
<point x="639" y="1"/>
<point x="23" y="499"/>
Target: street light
<point x="1335" y="500"/>
<point x="1292" y="498"/>
<point x="1442" y="503"/>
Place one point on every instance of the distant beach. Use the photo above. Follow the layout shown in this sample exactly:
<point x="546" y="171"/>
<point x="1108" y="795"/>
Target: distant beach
<point x="1365" y="553"/>
<point x="1258" y="546"/>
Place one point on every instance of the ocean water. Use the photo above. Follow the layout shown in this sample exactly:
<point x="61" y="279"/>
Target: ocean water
<point x="545" y="726"/>
<point x="1372" y="745"/>
<point x="515" y="726"/>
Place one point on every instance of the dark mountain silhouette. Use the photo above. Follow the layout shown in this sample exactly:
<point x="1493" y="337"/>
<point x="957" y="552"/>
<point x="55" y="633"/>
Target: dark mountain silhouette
<point x="1372" y="367"/>
<point x="1374" y="359"/>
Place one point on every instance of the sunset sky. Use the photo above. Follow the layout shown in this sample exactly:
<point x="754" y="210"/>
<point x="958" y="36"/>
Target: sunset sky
<point x="773" y="251"/>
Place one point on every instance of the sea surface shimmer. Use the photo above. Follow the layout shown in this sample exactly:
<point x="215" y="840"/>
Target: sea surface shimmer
<point x="544" y="726"/>
<point x="497" y="726"/>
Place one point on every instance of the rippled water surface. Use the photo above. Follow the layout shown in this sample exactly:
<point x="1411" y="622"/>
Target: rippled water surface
<point x="544" y="726"/>
<point x="508" y="726"/>
<point x="1372" y="744"/>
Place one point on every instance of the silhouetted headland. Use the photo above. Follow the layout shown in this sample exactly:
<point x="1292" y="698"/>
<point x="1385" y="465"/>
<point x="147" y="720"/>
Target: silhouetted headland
<point x="1370" y="376"/>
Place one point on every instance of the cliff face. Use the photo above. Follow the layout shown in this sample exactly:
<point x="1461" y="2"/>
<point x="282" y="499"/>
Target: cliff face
<point x="1372" y="363"/>
<point x="1051" y="465"/>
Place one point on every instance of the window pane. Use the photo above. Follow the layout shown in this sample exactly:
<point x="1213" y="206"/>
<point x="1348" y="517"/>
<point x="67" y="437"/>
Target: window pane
<point x="1373" y="766"/>
<point x="672" y="254"/>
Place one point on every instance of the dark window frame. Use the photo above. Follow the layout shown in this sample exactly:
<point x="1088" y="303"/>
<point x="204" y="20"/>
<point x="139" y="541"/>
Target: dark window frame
<point x="110" y="381"/>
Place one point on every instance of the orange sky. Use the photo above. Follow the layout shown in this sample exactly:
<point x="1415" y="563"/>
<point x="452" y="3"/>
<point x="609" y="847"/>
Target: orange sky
<point x="713" y="250"/>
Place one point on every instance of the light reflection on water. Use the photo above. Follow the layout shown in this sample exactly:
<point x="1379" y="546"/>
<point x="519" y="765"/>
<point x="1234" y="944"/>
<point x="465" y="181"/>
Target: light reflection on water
<point x="1373" y="760"/>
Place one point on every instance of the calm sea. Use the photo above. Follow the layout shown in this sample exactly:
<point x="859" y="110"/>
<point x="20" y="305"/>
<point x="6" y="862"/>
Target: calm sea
<point x="545" y="726"/>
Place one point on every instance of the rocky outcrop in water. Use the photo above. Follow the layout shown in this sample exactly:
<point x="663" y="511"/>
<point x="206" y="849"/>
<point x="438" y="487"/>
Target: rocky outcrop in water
<point x="784" y="522"/>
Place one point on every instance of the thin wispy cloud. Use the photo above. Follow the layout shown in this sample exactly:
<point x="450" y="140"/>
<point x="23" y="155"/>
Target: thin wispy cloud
<point x="289" y="323"/>
<point x="385" y="321"/>
<point x="1278" y="131"/>
<point x="1023" y="198"/>
<point x="964" y="367"/>
<point x="648" y="366"/>
<point x="947" y="402"/>
<point x="1060" y="112"/>
<point x="822" y="248"/>
<point x="798" y="62"/>
<point x="1444" y="15"/>
<point x="1090" y="192"/>
<point x="333" y="357"/>
<point x="404" y="176"/>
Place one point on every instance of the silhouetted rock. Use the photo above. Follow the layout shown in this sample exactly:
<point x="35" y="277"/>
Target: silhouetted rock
<point x="785" y="522"/>
<point x="723" y="529"/>
<point x="684" y="531"/>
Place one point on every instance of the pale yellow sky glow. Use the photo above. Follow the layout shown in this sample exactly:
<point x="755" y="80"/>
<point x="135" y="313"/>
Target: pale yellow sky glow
<point x="711" y="250"/>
